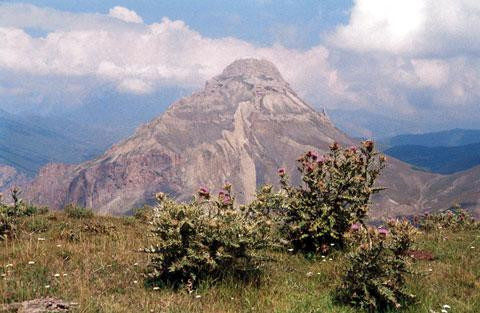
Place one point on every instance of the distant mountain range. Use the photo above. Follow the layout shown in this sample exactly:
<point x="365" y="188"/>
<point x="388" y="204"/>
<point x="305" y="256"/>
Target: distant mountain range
<point x="29" y="142"/>
<point x="444" y="152"/>
<point x="448" y="138"/>
<point x="240" y="128"/>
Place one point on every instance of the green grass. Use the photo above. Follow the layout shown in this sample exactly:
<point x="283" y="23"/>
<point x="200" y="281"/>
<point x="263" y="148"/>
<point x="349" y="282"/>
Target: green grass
<point x="101" y="259"/>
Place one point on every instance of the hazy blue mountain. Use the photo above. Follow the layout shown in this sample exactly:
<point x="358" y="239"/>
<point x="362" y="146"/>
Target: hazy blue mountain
<point x="443" y="160"/>
<point x="73" y="135"/>
<point x="447" y="138"/>
<point x="365" y="124"/>
<point x="29" y="142"/>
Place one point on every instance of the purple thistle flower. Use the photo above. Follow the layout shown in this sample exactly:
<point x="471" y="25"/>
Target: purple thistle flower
<point x="355" y="227"/>
<point x="281" y="171"/>
<point x="383" y="232"/>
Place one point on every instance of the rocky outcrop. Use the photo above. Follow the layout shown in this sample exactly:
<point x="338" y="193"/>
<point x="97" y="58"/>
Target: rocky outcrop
<point x="245" y="124"/>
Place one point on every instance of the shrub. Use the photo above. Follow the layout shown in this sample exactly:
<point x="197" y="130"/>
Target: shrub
<point x="75" y="211"/>
<point x="143" y="214"/>
<point x="455" y="219"/>
<point x="335" y="194"/>
<point x="10" y="214"/>
<point x="377" y="267"/>
<point x="207" y="238"/>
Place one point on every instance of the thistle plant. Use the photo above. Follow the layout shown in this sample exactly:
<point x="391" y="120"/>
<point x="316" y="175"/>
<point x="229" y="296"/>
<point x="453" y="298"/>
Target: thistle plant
<point x="208" y="237"/>
<point x="335" y="194"/>
<point x="455" y="219"/>
<point x="378" y="265"/>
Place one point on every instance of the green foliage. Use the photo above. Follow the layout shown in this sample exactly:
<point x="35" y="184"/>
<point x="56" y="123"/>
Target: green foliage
<point x="11" y="214"/>
<point x="207" y="238"/>
<point x="143" y="214"/>
<point x="335" y="194"/>
<point x="456" y="219"/>
<point x="75" y="211"/>
<point x="375" y="278"/>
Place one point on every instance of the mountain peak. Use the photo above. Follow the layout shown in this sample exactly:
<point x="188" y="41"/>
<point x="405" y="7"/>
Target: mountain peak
<point x="252" y="67"/>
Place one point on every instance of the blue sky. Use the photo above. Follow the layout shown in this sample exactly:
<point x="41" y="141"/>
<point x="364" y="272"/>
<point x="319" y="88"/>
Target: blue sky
<point x="297" y="24"/>
<point x="416" y="60"/>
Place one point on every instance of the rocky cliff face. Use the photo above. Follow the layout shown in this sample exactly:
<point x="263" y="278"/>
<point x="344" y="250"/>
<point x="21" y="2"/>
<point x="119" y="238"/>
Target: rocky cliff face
<point x="10" y="177"/>
<point x="244" y="125"/>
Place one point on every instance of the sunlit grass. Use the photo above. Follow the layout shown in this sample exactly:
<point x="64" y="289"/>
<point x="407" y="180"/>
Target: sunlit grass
<point x="97" y="263"/>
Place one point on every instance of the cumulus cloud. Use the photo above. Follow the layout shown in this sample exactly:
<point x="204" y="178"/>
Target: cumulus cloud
<point x="394" y="57"/>
<point x="412" y="27"/>
<point x="145" y="57"/>
<point x="125" y="14"/>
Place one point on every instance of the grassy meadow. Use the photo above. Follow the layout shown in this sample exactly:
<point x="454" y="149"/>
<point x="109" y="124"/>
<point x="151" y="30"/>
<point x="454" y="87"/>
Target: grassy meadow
<point x="97" y="263"/>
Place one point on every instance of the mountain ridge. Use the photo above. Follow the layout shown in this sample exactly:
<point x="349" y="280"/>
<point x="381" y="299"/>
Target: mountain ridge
<point x="240" y="128"/>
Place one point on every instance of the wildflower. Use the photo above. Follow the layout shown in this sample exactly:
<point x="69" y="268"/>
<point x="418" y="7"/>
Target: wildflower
<point x="446" y="306"/>
<point x="472" y="247"/>
<point x="41" y="239"/>
<point x="368" y="145"/>
<point x="31" y="262"/>
<point x="309" y="274"/>
<point x="135" y="281"/>
<point x="330" y="259"/>
<point x="135" y="264"/>
<point x="9" y="265"/>
<point x="332" y="244"/>
<point x="334" y="146"/>
<point x="47" y="286"/>
<point x="444" y="311"/>
<point x="58" y="246"/>
<point x="353" y="149"/>
<point x="383" y="232"/>
<point x="198" y="296"/>
<point x="430" y="270"/>
<point x="65" y="275"/>
<point x="156" y="288"/>
<point x="290" y="250"/>
<point x="355" y="227"/>
<point x="204" y="192"/>
<point x="281" y="172"/>
<point x="56" y="275"/>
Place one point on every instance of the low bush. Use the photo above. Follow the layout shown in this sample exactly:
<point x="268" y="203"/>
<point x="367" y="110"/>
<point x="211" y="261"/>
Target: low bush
<point x="143" y="214"/>
<point x="335" y="194"/>
<point x="207" y="238"/>
<point x="456" y="219"/>
<point x="75" y="211"/>
<point x="375" y="277"/>
<point x="11" y="214"/>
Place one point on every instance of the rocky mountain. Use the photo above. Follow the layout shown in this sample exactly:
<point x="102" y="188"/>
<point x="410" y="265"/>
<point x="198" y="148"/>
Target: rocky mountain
<point x="240" y="128"/>
<point x="10" y="177"/>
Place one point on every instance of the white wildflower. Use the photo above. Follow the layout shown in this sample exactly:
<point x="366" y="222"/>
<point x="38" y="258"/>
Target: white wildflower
<point x="446" y="306"/>
<point x="198" y="296"/>
<point x="31" y="262"/>
<point x="56" y="275"/>
<point x="156" y="288"/>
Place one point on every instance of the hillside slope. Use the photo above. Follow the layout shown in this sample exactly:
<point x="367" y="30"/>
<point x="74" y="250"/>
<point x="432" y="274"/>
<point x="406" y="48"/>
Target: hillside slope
<point x="28" y="143"/>
<point x="244" y="125"/>
<point x="443" y="160"/>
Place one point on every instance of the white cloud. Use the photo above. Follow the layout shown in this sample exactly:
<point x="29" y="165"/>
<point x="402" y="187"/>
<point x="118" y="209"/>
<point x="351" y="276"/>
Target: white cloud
<point x="397" y="57"/>
<point x="125" y="14"/>
<point x="412" y="27"/>
<point x="145" y="57"/>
